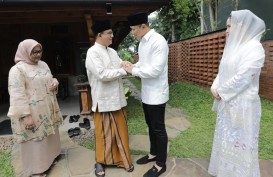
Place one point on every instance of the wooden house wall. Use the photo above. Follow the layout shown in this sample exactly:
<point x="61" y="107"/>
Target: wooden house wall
<point x="71" y="36"/>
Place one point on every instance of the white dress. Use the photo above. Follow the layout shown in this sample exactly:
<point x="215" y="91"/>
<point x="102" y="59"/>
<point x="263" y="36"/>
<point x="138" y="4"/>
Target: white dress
<point x="235" y="144"/>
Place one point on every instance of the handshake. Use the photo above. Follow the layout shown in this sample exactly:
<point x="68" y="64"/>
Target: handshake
<point x="127" y="66"/>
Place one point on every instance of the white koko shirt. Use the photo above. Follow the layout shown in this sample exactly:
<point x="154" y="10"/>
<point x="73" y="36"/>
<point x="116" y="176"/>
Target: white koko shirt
<point x="104" y="75"/>
<point x="152" y="68"/>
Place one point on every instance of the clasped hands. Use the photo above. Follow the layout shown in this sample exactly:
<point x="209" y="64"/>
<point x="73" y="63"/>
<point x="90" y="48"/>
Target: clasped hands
<point x="127" y="66"/>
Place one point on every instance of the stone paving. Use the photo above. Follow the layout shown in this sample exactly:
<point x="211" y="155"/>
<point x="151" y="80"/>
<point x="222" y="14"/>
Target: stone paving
<point x="77" y="161"/>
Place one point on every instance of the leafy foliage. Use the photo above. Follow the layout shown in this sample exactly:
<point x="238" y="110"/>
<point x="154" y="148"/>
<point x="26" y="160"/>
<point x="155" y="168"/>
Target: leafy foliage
<point x="126" y="55"/>
<point x="127" y="91"/>
<point x="179" y="20"/>
<point x="128" y="48"/>
<point x="129" y="42"/>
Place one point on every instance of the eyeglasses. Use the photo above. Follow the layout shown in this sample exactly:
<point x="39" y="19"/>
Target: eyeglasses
<point x="36" y="52"/>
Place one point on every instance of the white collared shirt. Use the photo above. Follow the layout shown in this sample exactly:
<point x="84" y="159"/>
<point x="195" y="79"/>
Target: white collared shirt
<point x="152" y="68"/>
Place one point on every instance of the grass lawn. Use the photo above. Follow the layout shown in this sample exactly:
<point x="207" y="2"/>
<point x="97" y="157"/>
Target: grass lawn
<point x="196" y="102"/>
<point x="6" y="169"/>
<point x="196" y="141"/>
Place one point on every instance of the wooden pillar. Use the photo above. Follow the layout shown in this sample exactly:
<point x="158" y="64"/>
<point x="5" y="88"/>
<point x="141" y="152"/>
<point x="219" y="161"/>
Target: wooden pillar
<point x="89" y="23"/>
<point x="85" y="97"/>
<point x="84" y="88"/>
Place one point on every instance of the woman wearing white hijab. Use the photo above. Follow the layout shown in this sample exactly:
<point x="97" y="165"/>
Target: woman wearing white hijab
<point x="236" y="87"/>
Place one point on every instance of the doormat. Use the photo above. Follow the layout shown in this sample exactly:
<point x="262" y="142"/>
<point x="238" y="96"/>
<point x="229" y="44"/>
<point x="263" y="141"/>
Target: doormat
<point x="5" y="128"/>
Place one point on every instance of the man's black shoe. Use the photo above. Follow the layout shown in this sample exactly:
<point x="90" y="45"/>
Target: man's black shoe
<point x="145" y="160"/>
<point x="153" y="172"/>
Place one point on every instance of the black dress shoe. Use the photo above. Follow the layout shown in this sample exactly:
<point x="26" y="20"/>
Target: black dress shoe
<point x="153" y="172"/>
<point x="85" y="124"/>
<point x="145" y="160"/>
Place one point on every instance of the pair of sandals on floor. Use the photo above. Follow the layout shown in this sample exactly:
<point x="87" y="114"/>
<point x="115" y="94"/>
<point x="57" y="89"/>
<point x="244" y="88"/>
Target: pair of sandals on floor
<point x="100" y="171"/>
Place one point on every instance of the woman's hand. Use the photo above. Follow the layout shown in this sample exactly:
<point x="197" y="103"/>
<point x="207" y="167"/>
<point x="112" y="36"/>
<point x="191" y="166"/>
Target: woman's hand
<point x="54" y="85"/>
<point x="215" y="94"/>
<point x="28" y="122"/>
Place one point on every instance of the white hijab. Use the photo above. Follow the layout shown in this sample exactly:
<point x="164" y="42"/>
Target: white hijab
<point x="244" y="37"/>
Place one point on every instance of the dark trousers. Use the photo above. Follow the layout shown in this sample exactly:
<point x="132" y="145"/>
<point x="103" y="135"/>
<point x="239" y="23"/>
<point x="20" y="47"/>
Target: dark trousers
<point x="155" y="119"/>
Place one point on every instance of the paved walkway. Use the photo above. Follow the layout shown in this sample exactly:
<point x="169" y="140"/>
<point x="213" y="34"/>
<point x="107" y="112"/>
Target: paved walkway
<point x="77" y="161"/>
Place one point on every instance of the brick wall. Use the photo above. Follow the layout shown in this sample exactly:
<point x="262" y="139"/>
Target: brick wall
<point x="266" y="79"/>
<point x="196" y="60"/>
<point x="179" y="67"/>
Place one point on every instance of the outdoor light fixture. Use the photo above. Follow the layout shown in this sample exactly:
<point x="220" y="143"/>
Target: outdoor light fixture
<point x="108" y="8"/>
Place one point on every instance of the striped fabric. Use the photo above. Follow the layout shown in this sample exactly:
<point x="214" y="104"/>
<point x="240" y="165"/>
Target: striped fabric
<point x="112" y="141"/>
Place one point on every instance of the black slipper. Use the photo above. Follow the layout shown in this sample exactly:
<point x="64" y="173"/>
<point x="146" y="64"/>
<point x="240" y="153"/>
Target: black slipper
<point x="74" y="118"/>
<point x="153" y="172"/>
<point x="70" y="132"/>
<point x="85" y="124"/>
<point x="145" y="160"/>
<point x="76" y="131"/>
<point x="99" y="168"/>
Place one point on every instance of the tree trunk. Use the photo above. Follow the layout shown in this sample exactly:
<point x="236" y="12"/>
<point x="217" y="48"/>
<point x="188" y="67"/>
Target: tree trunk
<point x="173" y="33"/>
<point x="202" y="17"/>
<point x="236" y="4"/>
<point x="213" y="14"/>
<point x="200" y="8"/>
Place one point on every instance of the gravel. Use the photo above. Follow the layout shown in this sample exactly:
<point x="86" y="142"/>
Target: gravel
<point x="7" y="141"/>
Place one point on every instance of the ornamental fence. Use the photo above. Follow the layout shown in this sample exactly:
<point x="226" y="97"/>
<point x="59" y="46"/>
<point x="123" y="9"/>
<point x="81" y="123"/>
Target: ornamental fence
<point x="196" y="60"/>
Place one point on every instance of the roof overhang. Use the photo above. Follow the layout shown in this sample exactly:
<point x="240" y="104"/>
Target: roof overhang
<point x="78" y="2"/>
<point x="42" y="11"/>
<point x="67" y="11"/>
